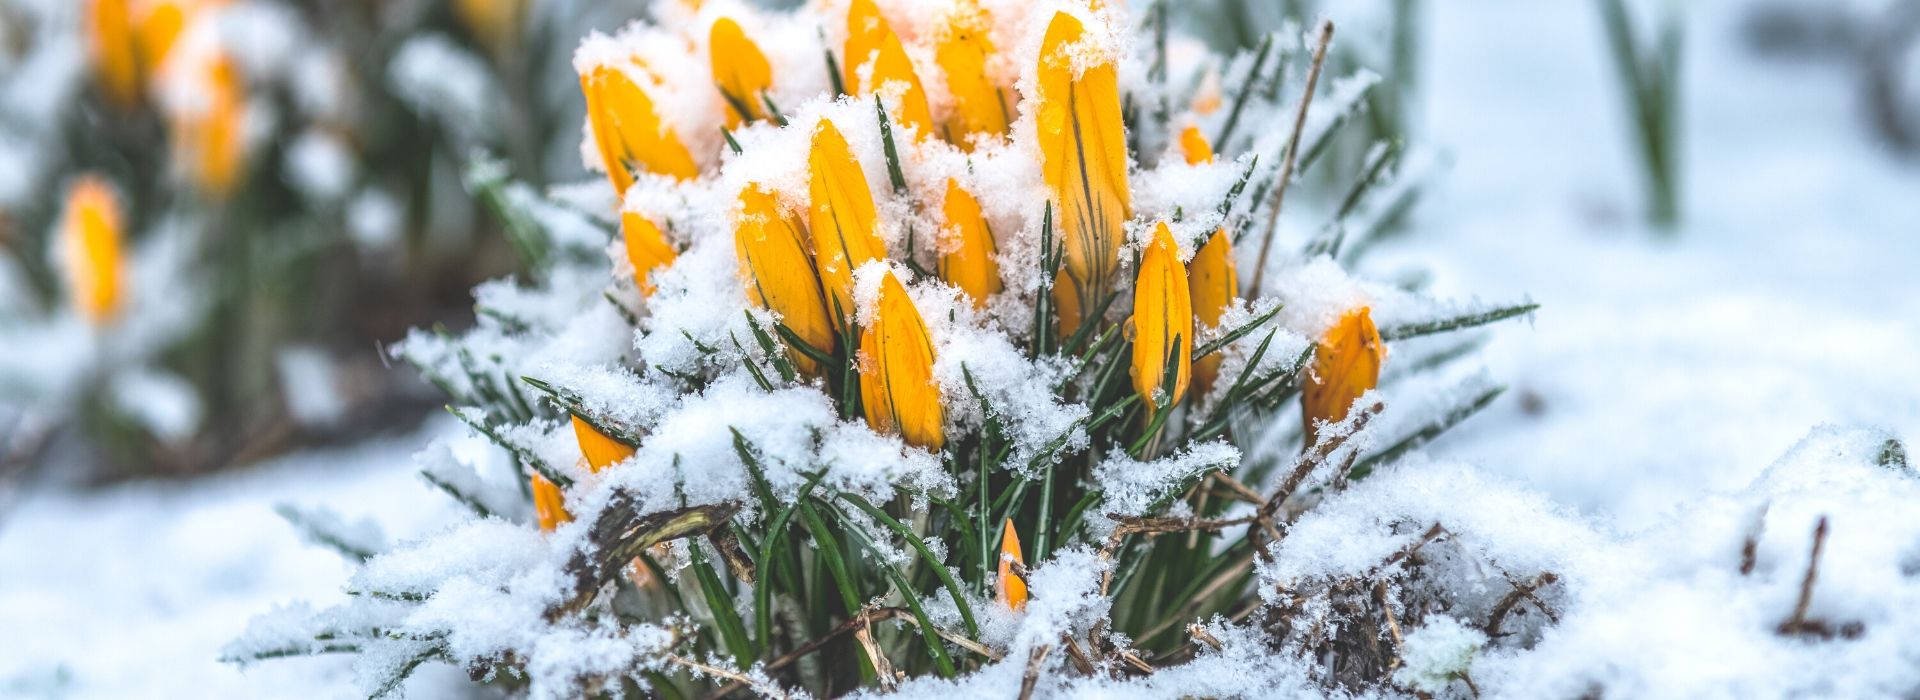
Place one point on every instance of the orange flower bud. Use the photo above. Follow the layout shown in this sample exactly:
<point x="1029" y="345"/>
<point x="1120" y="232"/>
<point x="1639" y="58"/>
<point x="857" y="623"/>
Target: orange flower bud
<point x="647" y="248"/>
<point x="1162" y="321"/>
<point x="845" y="226"/>
<point x="896" y="371"/>
<point x="90" y="232"/>
<point x="1083" y="154"/>
<point x="627" y="129"/>
<point x="1012" y="592"/>
<point x="549" y="505"/>
<point x="969" y="265"/>
<point x="600" y="451"/>
<point x="779" y="274"/>
<point x="963" y="49"/>
<point x="1345" y="365"/>
<point x="740" y="70"/>
<point x="1211" y="277"/>
<point x="872" y="47"/>
<point x="116" y="58"/>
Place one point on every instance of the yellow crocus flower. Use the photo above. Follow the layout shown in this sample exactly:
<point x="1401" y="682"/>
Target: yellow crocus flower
<point x="779" y="273"/>
<point x="647" y="248"/>
<point x="599" y="450"/>
<point x="90" y="233"/>
<point x="549" y="505"/>
<point x="116" y="58"/>
<point x="740" y="70"/>
<point x="1162" y="321"/>
<point x="1012" y="592"/>
<point x="841" y="216"/>
<point x="969" y="264"/>
<point x="963" y="49"/>
<point x="1211" y="276"/>
<point x="627" y="129"/>
<point x="873" y="47"/>
<point x="210" y="135"/>
<point x="1345" y="365"/>
<point x="896" y="370"/>
<point x="1083" y="155"/>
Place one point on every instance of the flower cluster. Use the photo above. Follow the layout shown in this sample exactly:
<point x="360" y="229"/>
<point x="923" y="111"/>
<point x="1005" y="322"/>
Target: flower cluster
<point x="894" y="298"/>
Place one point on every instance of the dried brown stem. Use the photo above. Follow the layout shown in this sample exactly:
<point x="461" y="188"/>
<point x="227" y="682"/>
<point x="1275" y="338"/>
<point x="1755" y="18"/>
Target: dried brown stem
<point x="763" y="688"/>
<point x="1521" y="591"/>
<point x="1034" y="661"/>
<point x="1200" y="634"/>
<point x="1293" y="152"/>
<point x="620" y="534"/>
<point x="1799" y="623"/>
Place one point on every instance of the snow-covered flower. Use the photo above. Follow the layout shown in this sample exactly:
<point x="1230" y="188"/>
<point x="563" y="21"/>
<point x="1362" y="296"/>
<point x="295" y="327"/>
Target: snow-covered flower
<point x="90" y="233"/>
<point x="966" y="257"/>
<point x="1162" y="324"/>
<point x="1345" y="365"/>
<point x="1084" y="159"/>
<point x="897" y="389"/>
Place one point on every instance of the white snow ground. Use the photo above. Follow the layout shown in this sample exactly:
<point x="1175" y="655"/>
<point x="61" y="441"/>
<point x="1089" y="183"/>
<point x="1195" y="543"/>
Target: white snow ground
<point x="1665" y="369"/>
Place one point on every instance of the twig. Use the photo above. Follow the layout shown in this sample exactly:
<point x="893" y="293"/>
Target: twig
<point x="1432" y="533"/>
<point x="1200" y="634"/>
<point x="1077" y="656"/>
<point x="1245" y="492"/>
<point x="1317" y="455"/>
<point x="882" y="668"/>
<point x="1799" y="623"/>
<point x="1750" y="550"/>
<point x="1293" y="152"/>
<point x="1513" y="598"/>
<point x="1393" y="625"/>
<point x="758" y="686"/>
<point x="618" y="536"/>
<point x="1034" y="660"/>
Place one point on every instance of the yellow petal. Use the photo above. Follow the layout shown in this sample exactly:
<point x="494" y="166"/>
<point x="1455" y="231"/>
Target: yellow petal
<point x="845" y="227"/>
<point x="896" y="371"/>
<point x="209" y="137"/>
<point x="1345" y="365"/>
<point x="1066" y="301"/>
<point x="115" y="58"/>
<point x="90" y="239"/>
<point x="601" y="451"/>
<point x="1012" y="592"/>
<point x="549" y="505"/>
<point x="1162" y="321"/>
<point x="1083" y="154"/>
<point x="628" y="131"/>
<point x="647" y="248"/>
<point x="159" y="28"/>
<point x="1213" y="284"/>
<point x="969" y="265"/>
<point x="1194" y="146"/>
<point x="740" y="70"/>
<point x="779" y="273"/>
<point x="962" y="48"/>
<point x="872" y="46"/>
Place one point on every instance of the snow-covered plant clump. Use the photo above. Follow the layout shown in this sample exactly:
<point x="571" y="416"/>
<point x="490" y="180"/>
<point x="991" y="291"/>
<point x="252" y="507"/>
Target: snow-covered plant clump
<point x="932" y="344"/>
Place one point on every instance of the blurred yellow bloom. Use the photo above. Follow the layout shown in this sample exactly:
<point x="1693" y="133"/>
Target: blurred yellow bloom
<point x="896" y="371"/>
<point x="1162" y="321"/>
<point x="872" y="47"/>
<point x="962" y="48"/>
<point x="1211" y="277"/>
<point x="969" y="264"/>
<point x="1208" y="98"/>
<point x="840" y="214"/>
<point x="647" y="248"/>
<point x="1083" y="158"/>
<point x="779" y="274"/>
<point x="90" y="233"/>
<point x="159" y="26"/>
<point x="628" y="131"/>
<point x="210" y="134"/>
<point x="1345" y="365"/>
<point x="116" y="58"/>
<point x="549" y="505"/>
<point x="1012" y="592"/>
<point x="740" y="70"/>
<point x="495" y="22"/>
<point x="601" y="451"/>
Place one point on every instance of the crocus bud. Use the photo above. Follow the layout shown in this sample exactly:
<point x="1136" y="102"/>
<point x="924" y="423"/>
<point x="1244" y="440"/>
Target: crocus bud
<point x="1083" y="154"/>
<point x="647" y="248"/>
<point x="599" y="450"/>
<point x="845" y="227"/>
<point x="874" y="49"/>
<point x="1162" y="321"/>
<point x="627" y="130"/>
<point x="210" y="132"/>
<point x="962" y="48"/>
<point x="779" y="274"/>
<point x="1211" y="277"/>
<point x="1345" y="365"/>
<point x="1012" y="592"/>
<point x="896" y="370"/>
<point x="116" y="58"/>
<point x="966" y="258"/>
<point x="740" y="70"/>
<point x="549" y="505"/>
<point x="90" y="233"/>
